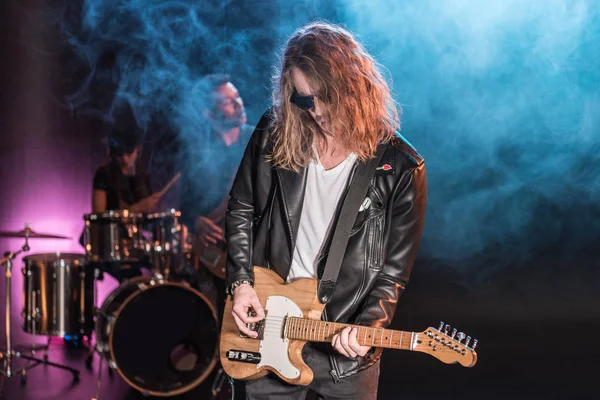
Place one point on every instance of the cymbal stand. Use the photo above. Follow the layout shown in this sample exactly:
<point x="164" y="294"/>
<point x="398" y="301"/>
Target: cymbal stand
<point x="8" y="354"/>
<point x="94" y="349"/>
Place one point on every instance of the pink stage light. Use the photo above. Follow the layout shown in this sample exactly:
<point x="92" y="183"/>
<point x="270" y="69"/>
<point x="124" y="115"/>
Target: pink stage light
<point x="54" y="209"/>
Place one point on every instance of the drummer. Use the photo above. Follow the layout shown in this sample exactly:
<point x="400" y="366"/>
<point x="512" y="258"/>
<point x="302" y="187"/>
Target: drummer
<point x="123" y="184"/>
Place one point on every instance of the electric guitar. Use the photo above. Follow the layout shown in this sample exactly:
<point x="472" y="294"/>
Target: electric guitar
<point x="214" y="256"/>
<point x="293" y="318"/>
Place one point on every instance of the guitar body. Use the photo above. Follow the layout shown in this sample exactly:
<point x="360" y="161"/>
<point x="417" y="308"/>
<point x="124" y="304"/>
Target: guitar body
<point x="280" y="356"/>
<point x="213" y="258"/>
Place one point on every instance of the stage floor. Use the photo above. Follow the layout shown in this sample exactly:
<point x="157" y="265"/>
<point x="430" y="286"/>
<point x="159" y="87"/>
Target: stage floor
<point x="528" y="361"/>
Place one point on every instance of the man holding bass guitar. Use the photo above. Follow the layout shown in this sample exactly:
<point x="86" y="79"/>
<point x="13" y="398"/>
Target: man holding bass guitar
<point x="332" y="112"/>
<point x="211" y="153"/>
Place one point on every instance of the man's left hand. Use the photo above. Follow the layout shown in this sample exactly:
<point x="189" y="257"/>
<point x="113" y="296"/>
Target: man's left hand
<point x="346" y="343"/>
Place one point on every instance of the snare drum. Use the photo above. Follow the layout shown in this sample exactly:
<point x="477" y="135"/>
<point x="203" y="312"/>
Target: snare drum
<point x="160" y="336"/>
<point x="58" y="295"/>
<point x="114" y="236"/>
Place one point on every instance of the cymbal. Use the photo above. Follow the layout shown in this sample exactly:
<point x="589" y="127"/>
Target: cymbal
<point x="32" y="235"/>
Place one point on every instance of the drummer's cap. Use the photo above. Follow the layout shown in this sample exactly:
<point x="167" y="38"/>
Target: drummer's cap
<point x="123" y="140"/>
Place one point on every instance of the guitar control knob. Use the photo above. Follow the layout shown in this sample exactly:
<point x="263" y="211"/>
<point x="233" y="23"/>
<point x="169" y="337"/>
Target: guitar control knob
<point x="447" y="329"/>
<point x="453" y="333"/>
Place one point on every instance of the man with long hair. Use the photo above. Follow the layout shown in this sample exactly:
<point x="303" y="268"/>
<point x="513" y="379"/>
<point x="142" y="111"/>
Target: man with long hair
<point x="212" y="147"/>
<point x="332" y="111"/>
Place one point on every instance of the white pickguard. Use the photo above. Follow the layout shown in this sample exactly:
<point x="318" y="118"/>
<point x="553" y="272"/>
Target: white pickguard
<point x="273" y="347"/>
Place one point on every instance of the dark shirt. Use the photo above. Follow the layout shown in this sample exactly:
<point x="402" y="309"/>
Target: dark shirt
<point x="208" y="169"/>
<point x="129" y="189"/>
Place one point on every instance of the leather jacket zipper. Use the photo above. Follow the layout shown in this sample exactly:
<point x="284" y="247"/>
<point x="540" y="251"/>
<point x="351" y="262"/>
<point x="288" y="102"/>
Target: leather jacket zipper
<point x="268" y="232"/>
<point x="375" y="248"/>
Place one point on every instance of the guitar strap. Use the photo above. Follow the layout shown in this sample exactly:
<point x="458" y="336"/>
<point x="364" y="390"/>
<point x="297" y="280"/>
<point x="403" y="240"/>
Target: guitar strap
<point x="352" y="202"/>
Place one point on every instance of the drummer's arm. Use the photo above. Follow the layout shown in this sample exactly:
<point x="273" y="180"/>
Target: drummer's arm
<point x="147" y="204"/>
<point x="98" y="200"/>
<point x="100" y="185"/>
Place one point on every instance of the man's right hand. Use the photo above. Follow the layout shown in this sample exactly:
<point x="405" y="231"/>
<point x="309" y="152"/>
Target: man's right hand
<point x="244" y="299"/>
<point x="147" y="204"/>
<point x="208" y="232"/>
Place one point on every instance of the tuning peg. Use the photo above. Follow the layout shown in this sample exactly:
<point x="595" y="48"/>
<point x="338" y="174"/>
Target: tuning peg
<point x="467" y="341"/>
<point x="474" y="344"/>
<point x="461" y="336"/>
<point x="441" y="326"/>
<point x="453" y="333"/>
<point x="446" y="330"/>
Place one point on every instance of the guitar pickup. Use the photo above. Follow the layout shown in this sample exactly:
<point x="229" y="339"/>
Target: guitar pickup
<point x="249" y="357"/>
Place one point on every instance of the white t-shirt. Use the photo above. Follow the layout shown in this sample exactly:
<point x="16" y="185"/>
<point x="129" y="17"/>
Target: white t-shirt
<point x="323" y="191"/>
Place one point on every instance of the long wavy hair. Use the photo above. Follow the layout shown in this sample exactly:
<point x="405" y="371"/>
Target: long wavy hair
<point x="348" y="80"/>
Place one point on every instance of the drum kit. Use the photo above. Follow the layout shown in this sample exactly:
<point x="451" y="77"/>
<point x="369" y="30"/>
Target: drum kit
<point x="157" y="331"/>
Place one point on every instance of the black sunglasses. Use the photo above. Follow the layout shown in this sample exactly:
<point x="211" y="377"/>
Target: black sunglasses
<point x="305" y="103"/>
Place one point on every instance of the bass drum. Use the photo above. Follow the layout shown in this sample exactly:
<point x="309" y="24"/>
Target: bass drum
<point x="162" y="337"/>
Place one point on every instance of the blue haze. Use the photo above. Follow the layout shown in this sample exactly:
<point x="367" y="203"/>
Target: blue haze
<point x="501" y="97"/>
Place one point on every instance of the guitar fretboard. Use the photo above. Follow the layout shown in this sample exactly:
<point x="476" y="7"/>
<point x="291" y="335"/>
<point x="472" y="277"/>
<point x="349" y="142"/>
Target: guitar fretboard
<point x="323" y="331"/>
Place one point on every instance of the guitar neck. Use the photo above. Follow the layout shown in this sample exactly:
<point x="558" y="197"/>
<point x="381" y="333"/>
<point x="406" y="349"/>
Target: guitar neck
<point x="323" y="331"/>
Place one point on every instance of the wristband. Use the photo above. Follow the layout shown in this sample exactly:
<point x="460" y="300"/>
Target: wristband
<point x="237" y="284"/>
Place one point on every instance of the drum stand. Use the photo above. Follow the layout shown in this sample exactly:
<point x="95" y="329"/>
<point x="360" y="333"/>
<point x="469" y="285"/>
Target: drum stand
<point x="8" y="354"/>
<point x="90" y="357"/>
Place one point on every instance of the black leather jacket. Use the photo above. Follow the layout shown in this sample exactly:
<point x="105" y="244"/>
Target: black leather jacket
<point x="264" y="214"/>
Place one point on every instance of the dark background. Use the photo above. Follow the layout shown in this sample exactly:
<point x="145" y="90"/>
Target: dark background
<point x="503" y="101"/>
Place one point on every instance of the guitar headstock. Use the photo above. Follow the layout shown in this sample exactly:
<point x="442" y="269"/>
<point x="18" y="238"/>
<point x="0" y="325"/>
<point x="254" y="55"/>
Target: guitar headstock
<point x="447" y="346"/>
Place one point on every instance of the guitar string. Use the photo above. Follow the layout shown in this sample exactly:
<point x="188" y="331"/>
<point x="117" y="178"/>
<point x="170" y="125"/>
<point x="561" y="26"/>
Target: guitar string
<point x="302" y="320"/>
<point x="278" y="319"/>
<point x="306" y="321"/>
<point x="311" y="335"/>
<point x="277" y="330"/>
<point x="328" y="338"/>
<point x="320" y="336"/>
<point x="316" y="337"/>
<point x="310" y="331"/>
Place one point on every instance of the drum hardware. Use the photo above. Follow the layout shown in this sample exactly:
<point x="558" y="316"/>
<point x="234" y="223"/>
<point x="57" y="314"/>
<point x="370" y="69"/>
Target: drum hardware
<point x="29" y="234"/>
<point x="217" y="385"/>
<point x="10" y="352"/>
<point x="130" y="238"/>
<point x="136" y="332"/>
<point x="165" y="247"/>
<point x="114" y="236"/>
<point x="153" y="350"/>
<point x="58" y="295"/>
